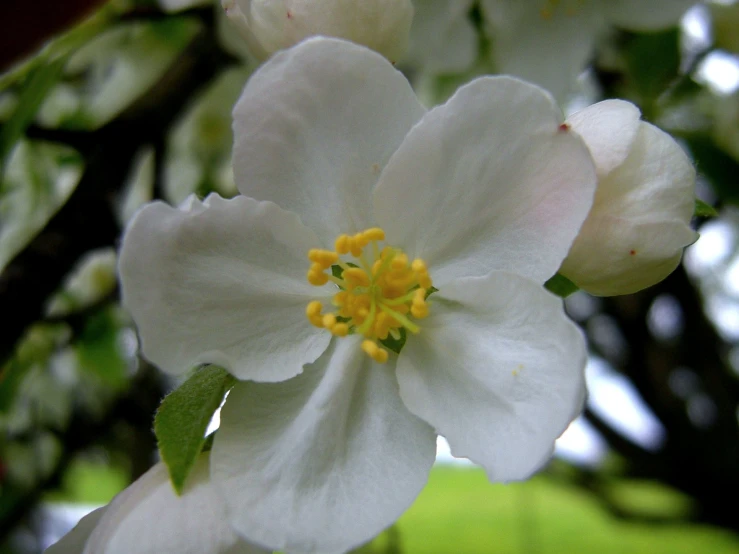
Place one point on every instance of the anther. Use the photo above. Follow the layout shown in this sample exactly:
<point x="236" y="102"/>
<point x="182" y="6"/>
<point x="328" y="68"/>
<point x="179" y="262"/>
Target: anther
<point x="400" y="261"/>
<point x="380" y="294"/>
<point x="340" y="330"/>
<point x="375" y="233"/>
<point x="419" y="266"/>
<point x="313" y="312"/>
<point x="357" y="276"/>
<point x="317" y="277"/>
<point x="323" y="258"/>
<point x="342" y="244"/>
<point x="361" y="240"/>
<point x="375" y="352"/>
<point x="329" y="320"/>
<point x="355" y="246"/>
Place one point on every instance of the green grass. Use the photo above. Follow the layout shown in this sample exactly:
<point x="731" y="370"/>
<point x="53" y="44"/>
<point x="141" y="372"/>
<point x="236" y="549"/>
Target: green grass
<point x="461" y="512"/>
<point x="88" y="482"/>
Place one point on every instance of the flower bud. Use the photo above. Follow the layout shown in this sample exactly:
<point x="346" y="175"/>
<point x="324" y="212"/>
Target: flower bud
<point x="638" y="226"/>
<point x="271" y="25"/>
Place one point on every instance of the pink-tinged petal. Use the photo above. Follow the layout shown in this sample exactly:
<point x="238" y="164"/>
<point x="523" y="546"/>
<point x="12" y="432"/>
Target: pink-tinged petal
<point x="488" y="181"/>
<point x="608" y="129"/>
<point x="640" y="222"/>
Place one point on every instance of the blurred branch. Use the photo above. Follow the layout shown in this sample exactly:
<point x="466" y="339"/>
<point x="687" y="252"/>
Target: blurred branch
<point x="83" y="141"/>
<point x="617" y="441"/>
<point x="160" y="157"/>
<point x="88" y="220"/>
<point x="697" y="459"/>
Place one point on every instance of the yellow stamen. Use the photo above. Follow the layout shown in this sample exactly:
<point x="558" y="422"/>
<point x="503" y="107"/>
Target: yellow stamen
<point x="329" y="320"/>
<point x="313" y="311"/>
<point x="380" y="291"/>
<point x="323" y="258"/>
<point x="375" y="352"/>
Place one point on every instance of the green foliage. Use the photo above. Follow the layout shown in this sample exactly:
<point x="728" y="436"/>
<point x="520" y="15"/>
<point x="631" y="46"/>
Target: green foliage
<point x="561" y="286"/>
<point x="653" y="63"/>
<point x="38" y="179"/>
<point x="34" y="90"/>
<point x="33" y="351"/>
<point x="704" y="210"/>
<point x="460" y="511"/>
<point x="90" y="482"/>
<point x="719" y="167"/>
<point x="387" y="542"/>
<point x="116" y="68"/>
<point x="183" y="417"/>
<point x="98" y="350"/>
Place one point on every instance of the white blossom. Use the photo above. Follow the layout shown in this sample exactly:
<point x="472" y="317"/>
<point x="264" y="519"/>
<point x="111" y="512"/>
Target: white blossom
<point x="640" y="221"/>
<point x="149" y="518"/>
<point x="549" y="42"/>
<point x="330" y="434"/>
<point x="443" y="38"/>
<point x="271" y="25"/>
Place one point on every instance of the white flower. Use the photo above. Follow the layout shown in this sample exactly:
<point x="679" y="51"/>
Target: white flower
<point x="271" y="25"/>
<point x="639" y="224"/>
<point x="443" y="38"/>
<point x="549" y="42"/>
<point x="149" y="518"/>
<point x="329" y="438"/>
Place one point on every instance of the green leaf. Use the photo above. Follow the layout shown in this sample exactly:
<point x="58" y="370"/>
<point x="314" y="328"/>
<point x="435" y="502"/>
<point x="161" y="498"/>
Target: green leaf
<point x="36" y="87"/>
<point x="98" y="350"/>
<point x="396" y="345"/>
<point x="561" y="286"/>
<point x="704" y="210"/>
<point x="183" y="417"/>
<point x="717" y="165"/>
<point x="653" y="62"/>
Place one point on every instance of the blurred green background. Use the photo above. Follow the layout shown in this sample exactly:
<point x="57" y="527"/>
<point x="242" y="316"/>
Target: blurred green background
<point x="106" y="105"/>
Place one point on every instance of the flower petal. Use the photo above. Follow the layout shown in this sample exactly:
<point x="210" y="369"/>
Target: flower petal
<point x="498" y="370"/>
<point x="149" y="518"/>
<point x="608" y="129"/>
<point x="223" y="283"/>
<point x="325" y="461"/>
<point x="638" y="15"/>
<point x="315" y="126"/>
<point x="550" y="48"/>
<point x="488" y="181"/>
<point x="635" y="233"/>
<point x="382" y="25"/>
<point x="74" y="541"/>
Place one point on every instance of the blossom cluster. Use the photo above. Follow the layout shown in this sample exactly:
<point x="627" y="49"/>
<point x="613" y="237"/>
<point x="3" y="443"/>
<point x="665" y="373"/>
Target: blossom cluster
<point x="379" y="281"/>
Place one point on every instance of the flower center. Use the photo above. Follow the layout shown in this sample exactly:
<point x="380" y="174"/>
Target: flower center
<point x="550" y="7"/>
<point x="380" y="292"/>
